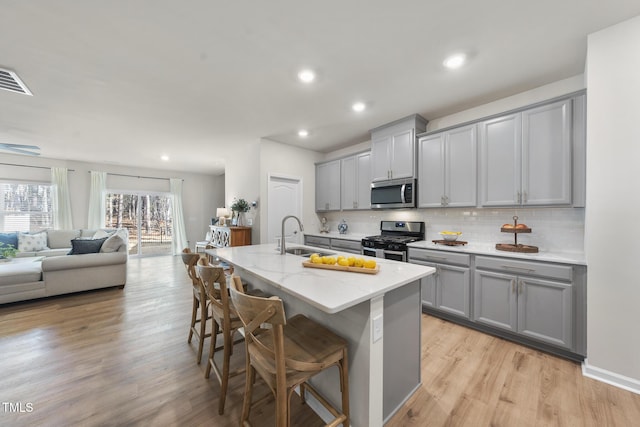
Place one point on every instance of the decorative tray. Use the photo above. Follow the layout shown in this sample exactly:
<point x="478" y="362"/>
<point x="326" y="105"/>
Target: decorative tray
<point x="517" y="248"/>
<point x="342" y="268"/>
<point x="450" y="242"/>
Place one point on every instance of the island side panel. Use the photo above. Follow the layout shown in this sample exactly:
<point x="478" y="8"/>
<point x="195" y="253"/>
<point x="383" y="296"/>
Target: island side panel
<point x="354" y="325"/>
<point x="402" y="346"/>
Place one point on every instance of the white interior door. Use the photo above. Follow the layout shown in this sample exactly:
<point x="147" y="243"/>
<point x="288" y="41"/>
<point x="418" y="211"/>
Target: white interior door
<point x="284" y="197"/>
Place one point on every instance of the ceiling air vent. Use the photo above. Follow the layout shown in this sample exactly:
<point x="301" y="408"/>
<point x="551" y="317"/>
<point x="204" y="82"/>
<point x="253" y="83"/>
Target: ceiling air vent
<point x="9" y="80"/>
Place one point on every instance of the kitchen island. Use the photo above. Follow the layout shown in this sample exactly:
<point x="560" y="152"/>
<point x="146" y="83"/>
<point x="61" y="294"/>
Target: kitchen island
<point x="378" y="314"/>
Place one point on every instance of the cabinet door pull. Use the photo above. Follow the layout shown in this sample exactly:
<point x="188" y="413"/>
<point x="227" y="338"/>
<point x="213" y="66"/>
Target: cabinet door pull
<point x="436" y="257"/>
<point x="520" y="287"/>
<point x="518" y="268"/>
<point x="513" y="286"/>
<point x="525" y="198"/>
<point x="519" y="197"/>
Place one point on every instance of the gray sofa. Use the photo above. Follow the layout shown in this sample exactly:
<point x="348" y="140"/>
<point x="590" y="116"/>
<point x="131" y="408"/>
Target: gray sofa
<point x="51" y="271"/>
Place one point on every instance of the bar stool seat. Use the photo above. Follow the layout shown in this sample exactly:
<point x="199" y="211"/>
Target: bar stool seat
<point x="288" y="354"/>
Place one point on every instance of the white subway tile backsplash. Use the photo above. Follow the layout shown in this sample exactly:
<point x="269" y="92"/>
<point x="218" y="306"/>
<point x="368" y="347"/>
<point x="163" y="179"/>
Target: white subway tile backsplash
<point x="553" y="229"/>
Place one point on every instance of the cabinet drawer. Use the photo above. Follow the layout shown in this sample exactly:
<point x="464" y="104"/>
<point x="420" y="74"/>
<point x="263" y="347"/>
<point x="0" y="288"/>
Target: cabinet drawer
<point x="323" y="242"/>
<point x="529" y="268"/>
<point x="353" y="246"/>
<point x="443" y="257"/>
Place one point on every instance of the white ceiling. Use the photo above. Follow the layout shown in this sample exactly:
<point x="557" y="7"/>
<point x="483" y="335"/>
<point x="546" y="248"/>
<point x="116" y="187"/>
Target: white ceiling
<point x="126" y="81"/>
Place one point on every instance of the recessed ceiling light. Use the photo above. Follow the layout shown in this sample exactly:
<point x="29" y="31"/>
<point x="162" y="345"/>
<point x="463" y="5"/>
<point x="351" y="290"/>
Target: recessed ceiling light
<point x="164" y="158"/>
<point x="303" y="133"/>
<point x="306" y="76"/>
<point x="455" y="61"/>
<point x="359" y="106"/>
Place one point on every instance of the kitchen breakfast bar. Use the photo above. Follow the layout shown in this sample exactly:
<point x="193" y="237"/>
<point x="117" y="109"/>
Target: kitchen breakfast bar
<point x="378" y="314"/>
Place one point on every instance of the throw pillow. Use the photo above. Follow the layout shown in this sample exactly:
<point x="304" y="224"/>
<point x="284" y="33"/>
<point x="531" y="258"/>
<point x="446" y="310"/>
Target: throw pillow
<point x="32" y="242"/>
<point x="112" y="244"/>
<point x="86" y="246"/>
<point x="101" y="234"/>
<point x="9" y="239"/>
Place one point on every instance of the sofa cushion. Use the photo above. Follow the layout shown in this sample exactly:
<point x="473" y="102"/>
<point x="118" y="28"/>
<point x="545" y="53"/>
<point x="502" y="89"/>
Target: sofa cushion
<point x="86" y="246"/>
<point x="112" y="244"/>
<point x="32" y="242"/>
<point x="102" y="233"/>
<point x="61" y="238"/>
<point x="20" y="272"/>
<point x="9" y="239"/>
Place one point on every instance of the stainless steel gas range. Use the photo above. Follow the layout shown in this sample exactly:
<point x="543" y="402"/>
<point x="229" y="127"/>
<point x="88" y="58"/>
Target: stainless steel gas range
<point x="392" y="241"/>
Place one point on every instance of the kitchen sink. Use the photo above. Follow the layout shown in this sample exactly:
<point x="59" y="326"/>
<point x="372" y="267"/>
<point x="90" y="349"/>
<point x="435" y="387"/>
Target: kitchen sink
<point x="305" y="252"/>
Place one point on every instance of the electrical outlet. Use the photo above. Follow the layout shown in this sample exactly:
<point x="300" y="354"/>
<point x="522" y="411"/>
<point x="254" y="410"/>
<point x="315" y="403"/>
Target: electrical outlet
<point x="377" y="328"/>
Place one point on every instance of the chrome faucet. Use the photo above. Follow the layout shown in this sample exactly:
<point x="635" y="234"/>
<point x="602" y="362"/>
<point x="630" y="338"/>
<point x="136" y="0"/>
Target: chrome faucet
<point x="282" y="250"/>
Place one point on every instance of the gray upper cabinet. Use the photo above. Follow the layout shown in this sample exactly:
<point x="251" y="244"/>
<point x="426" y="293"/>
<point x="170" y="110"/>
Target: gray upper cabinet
<point x="393" y="149"/>
<point x="447" y="168"/>
<point x="526" y="157"/>
<point x="356" y="182"/>
<point x="328" y="186"/>
<point x="546" y="154"/>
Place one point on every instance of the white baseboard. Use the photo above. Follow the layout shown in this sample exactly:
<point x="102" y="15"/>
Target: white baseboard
<point x="611" y="378"/>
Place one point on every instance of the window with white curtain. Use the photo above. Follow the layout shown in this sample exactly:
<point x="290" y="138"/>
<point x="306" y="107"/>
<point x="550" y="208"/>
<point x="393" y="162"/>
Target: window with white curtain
<point x="25" y="206"/>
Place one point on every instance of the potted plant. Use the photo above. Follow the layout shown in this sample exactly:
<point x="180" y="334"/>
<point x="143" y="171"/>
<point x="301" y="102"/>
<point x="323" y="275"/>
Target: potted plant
<point x="239" y="206"/>
<point x="7" y="251"/>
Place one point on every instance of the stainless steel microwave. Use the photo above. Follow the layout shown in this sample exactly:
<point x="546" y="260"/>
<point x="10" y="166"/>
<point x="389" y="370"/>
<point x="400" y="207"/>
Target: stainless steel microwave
<point x="395" y="193"/>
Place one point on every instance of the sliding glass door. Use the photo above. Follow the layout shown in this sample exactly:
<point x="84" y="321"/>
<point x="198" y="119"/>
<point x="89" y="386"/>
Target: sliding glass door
<point x="146" y="216"/>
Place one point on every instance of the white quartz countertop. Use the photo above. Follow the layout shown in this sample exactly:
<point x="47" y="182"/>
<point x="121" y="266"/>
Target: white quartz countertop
<point x="335" y="235"/>
<point x="328" y="290"/>
<point x="489" y="249"/>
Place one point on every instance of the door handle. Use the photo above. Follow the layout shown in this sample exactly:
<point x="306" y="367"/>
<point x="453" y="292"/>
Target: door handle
<point x="513" y="285"/>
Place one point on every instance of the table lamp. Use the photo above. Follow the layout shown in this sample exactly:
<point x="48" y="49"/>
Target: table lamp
<point x="222" y="213"/>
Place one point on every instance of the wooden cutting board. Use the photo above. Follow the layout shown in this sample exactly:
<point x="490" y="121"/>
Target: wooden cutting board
<point x="342" y="268"/>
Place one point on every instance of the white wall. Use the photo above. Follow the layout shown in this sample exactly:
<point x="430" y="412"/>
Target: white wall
<point x="539" y="94"/>
<point x="277" y="158"/>
<point x="201" y="193"/>
<point x="613" y="201"/>
<point x="242" y="181"/>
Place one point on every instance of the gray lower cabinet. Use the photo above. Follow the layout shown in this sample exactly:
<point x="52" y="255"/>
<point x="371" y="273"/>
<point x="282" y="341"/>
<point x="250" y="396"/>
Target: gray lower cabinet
<point x="341" y="245"/>
<point x="320" y="242"/>
<point x="513" y="299"/>
<point x="541" y="304"/>
<point x="345" y="245"/>
<point x="448" y="289"/>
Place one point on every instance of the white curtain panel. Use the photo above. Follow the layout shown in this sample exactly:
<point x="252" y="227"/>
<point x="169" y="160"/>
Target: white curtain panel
<point x="179" y="231"/>
<point x="97" y="201"/>
<point x="60" y="199"/>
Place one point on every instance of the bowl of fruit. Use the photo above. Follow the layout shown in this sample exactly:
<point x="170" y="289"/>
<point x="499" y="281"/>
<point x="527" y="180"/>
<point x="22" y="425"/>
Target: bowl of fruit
<point x="450" y="235"/>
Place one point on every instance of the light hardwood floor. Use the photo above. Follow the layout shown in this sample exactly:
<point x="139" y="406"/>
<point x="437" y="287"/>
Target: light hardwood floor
<point x="120" y="358"/>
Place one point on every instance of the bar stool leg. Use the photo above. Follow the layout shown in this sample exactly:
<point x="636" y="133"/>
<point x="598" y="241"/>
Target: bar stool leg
<point x="228" y="348"/>
<point x="194" y="312"/>
<point x="203" y="329"/>
<point x="248" y="392"/>
<point x="212" y="348"/>
<point x="344" y="386"/>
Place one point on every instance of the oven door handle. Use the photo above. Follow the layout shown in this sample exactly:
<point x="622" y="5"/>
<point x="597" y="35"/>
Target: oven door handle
<point x="386" y="251"/>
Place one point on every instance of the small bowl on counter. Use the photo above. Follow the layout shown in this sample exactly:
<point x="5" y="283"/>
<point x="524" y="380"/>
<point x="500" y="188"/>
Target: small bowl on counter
<point x="450" y="235"/>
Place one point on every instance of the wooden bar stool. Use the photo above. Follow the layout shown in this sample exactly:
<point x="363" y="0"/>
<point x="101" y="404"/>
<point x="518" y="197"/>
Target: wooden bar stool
<point x="200" y="302"/>
<point x="224" y="321"/>
<point x="288" y="354"/>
